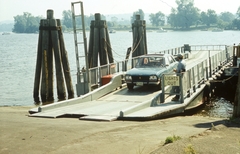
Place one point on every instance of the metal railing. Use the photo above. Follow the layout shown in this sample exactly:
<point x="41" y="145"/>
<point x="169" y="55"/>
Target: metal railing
<point x="192" y="79"/>
<point x="210" y="65"/>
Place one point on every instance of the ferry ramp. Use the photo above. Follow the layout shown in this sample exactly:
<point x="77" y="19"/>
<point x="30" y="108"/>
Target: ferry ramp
<point x="114" y="101"/>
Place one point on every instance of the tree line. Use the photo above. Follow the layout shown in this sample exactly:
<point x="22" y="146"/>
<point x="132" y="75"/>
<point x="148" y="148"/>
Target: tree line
<point x="185" y="16"/>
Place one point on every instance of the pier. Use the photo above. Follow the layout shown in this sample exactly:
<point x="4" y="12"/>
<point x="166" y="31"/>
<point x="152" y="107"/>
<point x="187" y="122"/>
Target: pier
<point x="113" y="101"/>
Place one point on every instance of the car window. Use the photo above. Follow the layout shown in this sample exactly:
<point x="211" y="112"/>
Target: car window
<point x="171" y="60"/>
<point x="150" y="62"/>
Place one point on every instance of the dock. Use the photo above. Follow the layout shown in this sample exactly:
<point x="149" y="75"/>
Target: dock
<point x="113" y="101"/>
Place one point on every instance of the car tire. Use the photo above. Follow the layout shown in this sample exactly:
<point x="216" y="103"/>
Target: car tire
<point x="130" y="86"/>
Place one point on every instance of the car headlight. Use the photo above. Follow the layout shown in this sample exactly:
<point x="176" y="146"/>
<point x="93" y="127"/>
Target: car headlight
<point x="153" y="78"/>
<point x="128" y="77"/>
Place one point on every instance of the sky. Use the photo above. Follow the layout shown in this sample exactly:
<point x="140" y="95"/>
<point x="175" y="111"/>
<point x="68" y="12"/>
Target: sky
<point x="11" y="8"/>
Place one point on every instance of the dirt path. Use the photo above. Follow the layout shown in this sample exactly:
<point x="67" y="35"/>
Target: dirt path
<point x="23" y="134"/>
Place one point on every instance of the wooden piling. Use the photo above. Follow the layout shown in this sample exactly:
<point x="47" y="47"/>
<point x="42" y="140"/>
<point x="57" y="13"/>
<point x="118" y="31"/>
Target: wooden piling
<point x="51" y="42"/>
<point x="58" y="61"/>
<point x="139" y="37"/>
<point x="50" y="79"/>
<point x="103" y="44"/>
<point x="38" y="67"/>
<point x="109" y="47"/>
<point x="91" y="43"/>
<point x="45" y="49"/>
<point x="96" y="40"/>
<point x="99" y="44"/>
<point x="65" y="63"/>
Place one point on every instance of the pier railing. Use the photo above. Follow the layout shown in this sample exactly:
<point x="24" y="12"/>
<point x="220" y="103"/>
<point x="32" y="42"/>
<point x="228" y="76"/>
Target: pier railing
<point x="194" y="77"/>
<point x="210" y="65"/>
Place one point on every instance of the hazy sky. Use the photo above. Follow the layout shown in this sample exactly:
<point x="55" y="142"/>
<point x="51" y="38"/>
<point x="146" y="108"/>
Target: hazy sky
<point x="10" y="8"/>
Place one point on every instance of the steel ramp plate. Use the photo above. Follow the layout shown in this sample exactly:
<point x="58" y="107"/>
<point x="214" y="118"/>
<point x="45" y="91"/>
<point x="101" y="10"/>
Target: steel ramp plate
<point x="99" y="118"/>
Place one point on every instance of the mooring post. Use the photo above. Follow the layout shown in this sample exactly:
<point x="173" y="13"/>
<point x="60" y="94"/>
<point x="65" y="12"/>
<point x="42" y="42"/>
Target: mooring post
<point x="99" y="43"/>
<point x="96" y="45"/>
<point x="45" y="50"/>
<point x="142" y="37"/>
<point x="58" y="60"/>
<point x="65" y="63"/>
<point x="91" y="43"/>
<point x="139" y="37"/>
<point x="109" y="47"/>
<point x="38" y="67"/>
<point x="103" y="43"/>
<point x="51" y="42"/>
<point x="135" y="39"/>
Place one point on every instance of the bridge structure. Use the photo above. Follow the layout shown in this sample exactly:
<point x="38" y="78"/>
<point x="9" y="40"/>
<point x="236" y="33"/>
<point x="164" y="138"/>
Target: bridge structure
<point x="109" y="99"/>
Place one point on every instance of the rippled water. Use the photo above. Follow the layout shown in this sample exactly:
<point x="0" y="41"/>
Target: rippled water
<point x="18" y="53"/>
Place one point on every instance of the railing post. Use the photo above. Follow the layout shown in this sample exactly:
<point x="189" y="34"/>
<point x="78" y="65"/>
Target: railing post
<point x="162" y="95"/>
<point x="181" y="88"/>
<point x="193" y="77"/>
<point x="210" y="65"/>
<point x="207" y="73"/>
<point x="100" y="75"/>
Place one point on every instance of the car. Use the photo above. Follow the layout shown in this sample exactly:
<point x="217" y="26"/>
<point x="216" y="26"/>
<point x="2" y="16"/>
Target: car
<point x="149" y="69"/>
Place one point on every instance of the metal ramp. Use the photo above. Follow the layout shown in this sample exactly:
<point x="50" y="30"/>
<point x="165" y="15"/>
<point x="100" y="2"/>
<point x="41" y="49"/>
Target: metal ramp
<point x="114" y="101"/>
<point x="82" y="85"/>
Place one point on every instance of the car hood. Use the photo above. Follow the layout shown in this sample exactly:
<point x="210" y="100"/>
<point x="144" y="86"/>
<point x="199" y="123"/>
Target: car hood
<point x="146" y="71"/>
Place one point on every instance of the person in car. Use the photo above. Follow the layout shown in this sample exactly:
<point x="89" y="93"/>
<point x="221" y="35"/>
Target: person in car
<point x="181" y="67"/>
<point x="145" y="61"/>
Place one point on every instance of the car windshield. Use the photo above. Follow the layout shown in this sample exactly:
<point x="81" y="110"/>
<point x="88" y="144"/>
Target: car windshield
<point x="150" y="62"/>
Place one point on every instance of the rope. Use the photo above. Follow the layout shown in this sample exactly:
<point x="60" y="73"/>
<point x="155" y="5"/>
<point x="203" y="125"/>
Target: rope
<point x="133" y="49"/>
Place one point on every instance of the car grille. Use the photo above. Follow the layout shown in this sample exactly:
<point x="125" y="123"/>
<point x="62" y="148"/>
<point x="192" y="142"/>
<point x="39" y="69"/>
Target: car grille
<point x="140" y="78"/>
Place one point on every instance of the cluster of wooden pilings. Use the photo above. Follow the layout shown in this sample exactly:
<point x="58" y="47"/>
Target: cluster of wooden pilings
<point x="51" y="48"/>
<point x="99" y="43"/>
<point x="139" y="46"/>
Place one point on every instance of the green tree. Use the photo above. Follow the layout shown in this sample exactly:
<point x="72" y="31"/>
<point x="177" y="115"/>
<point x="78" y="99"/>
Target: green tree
<point x="209" y="17"/>
<point x="238" y="13"/>
<point x="67" y="18"/>
<point x="185" y="15"/>
<point x="227" y="17"/>
<point x="172" y="18"/>
<point x="26" y="23"/>
<point x="225" y="20"/>
<point x="157" y="19"/>
<point x="236" y="22"/>
<point x="19" y="24"/>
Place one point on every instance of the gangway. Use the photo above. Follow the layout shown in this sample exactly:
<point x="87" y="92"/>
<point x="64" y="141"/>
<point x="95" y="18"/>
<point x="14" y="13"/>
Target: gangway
<point x="82" y="85"/>
<point x="114" y="101"/>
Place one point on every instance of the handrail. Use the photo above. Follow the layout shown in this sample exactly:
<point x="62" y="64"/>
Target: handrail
<point x="96" y="73"/>
<point x="196" y="75"/>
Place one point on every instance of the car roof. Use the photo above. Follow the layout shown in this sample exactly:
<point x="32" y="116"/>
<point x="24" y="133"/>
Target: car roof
<point x="154" y="55"/>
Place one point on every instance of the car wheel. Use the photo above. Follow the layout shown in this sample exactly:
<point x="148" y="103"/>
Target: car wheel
<point x="130" y="86"/>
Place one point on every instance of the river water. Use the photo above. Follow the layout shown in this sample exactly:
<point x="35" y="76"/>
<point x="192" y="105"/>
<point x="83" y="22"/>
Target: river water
<point x="18" y="53"/>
